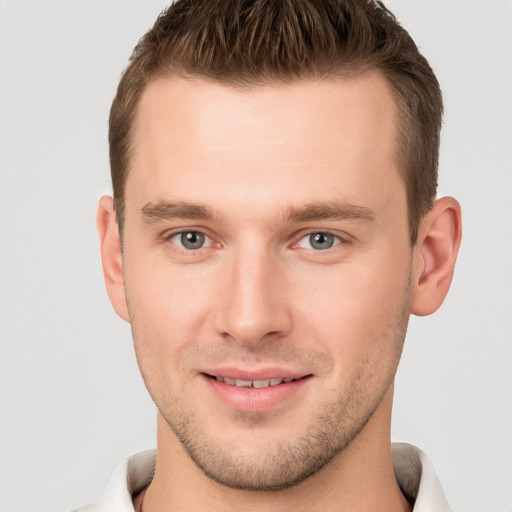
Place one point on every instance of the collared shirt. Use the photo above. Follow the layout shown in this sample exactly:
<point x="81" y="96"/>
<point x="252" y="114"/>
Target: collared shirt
<point x="414" y="473"/>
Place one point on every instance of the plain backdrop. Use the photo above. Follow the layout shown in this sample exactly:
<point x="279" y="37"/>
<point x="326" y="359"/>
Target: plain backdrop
<point x="72" y="402"/>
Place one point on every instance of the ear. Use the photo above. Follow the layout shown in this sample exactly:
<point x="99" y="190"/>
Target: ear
<point x="111" y="256"/>
<point x="435" y="254"/>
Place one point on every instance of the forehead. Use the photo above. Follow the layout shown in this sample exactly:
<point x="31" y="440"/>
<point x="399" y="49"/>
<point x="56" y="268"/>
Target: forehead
<point x="198" y="140"/>
<point x="285" y="111"/>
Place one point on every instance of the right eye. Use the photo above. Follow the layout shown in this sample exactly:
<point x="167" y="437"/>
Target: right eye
<point x="319" y="241"/>
<point x="190" y="240"/>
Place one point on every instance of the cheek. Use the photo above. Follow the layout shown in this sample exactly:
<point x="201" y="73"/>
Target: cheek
<point x="361" y="312"/>
<point x="167" y="320"/>
<point x="168" y="309"/>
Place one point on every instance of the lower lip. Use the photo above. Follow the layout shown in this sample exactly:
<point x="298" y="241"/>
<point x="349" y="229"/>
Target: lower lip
<point x="256" y="400"/>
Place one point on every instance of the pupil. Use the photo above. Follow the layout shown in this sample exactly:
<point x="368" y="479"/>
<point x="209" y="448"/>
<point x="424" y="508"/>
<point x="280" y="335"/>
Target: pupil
<point x="321" y="241"/>
<point x="192" y="240"/>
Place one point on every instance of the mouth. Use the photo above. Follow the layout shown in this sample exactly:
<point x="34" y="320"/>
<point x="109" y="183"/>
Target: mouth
<point x="257" y="391"/>
<point x="256" y="384"/>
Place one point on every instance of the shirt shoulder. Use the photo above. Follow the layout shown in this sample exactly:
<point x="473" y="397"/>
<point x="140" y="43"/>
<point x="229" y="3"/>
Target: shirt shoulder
<point x="417" y="479"/>
<point x="129" y="478"/>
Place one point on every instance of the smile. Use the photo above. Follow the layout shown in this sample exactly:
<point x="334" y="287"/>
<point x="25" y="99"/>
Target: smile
<point x="259" y="392"/>
<point x="258" y="384"/>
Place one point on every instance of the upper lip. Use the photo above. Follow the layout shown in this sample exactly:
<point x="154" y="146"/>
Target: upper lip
<point x="251" y="375"/>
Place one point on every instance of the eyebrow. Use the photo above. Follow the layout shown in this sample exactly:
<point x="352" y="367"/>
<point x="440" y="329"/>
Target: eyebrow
<point x="333" y="210"/>
<point x="165" y="210"/>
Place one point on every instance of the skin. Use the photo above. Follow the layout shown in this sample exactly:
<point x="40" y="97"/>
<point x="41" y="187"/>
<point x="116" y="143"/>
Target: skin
<point x="257" y="298"/>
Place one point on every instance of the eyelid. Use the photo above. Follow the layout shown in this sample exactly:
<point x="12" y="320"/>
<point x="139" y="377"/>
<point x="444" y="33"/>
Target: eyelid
<point x="341" y="237"/>
<point x="169" y="235"/>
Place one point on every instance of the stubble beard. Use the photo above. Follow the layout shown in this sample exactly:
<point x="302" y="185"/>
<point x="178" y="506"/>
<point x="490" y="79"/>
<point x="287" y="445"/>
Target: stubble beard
<point x="281" y="465"/>
<point x="284" y="464"/>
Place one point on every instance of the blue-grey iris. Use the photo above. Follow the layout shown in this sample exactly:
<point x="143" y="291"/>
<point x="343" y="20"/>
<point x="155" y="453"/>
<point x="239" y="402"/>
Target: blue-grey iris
<point x="321" y="241"/>
<point x="192" y="240"/>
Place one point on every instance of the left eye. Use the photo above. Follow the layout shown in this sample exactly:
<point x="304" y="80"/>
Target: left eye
<point x="190" y="240"/>
<point x="319" y="241"/>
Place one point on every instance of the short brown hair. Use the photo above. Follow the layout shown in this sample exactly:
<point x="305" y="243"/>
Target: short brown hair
<point x="246" y="43"/>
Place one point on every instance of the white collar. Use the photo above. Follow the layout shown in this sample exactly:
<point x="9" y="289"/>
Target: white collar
<point x="414" y="473"/>
<point x="417" y="479"/>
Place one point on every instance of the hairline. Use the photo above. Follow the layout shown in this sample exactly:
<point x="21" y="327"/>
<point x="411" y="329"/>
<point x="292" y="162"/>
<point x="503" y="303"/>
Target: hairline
<point x="401" y="118"/>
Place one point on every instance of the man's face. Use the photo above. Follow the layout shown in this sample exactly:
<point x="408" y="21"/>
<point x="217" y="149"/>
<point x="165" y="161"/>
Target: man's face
<point x="267" y="268"/>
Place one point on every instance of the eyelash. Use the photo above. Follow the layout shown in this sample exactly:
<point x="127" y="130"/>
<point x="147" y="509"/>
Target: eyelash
<point x="337" y="240"/>
<point x="183" y="232"/>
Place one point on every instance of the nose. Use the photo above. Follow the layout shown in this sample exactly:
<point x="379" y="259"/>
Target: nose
<point x="253" y="306"/>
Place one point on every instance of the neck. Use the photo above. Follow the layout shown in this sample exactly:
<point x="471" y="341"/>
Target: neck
<point x="359" y="479"/>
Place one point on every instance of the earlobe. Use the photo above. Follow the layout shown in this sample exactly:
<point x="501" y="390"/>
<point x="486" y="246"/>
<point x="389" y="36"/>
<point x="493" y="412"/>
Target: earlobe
<point x="435" y="254"/>
<point x="111" y="256"/>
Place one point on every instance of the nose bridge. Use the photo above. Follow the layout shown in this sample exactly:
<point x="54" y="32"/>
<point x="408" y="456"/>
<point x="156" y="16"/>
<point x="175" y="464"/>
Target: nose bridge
<point x="254" y="306"/>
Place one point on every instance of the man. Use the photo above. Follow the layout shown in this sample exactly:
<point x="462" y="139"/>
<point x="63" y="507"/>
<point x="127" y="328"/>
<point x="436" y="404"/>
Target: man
<point x="273" y="226"/>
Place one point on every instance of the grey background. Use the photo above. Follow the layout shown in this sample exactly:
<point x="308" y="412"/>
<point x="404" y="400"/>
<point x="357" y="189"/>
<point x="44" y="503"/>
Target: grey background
<point x="72" y="402"/>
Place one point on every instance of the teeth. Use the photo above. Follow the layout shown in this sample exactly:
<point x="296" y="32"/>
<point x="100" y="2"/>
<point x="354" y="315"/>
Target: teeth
<point x="257" y="384"/>
<point x="243" y="383"/>
<point x="260" y="384"/>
